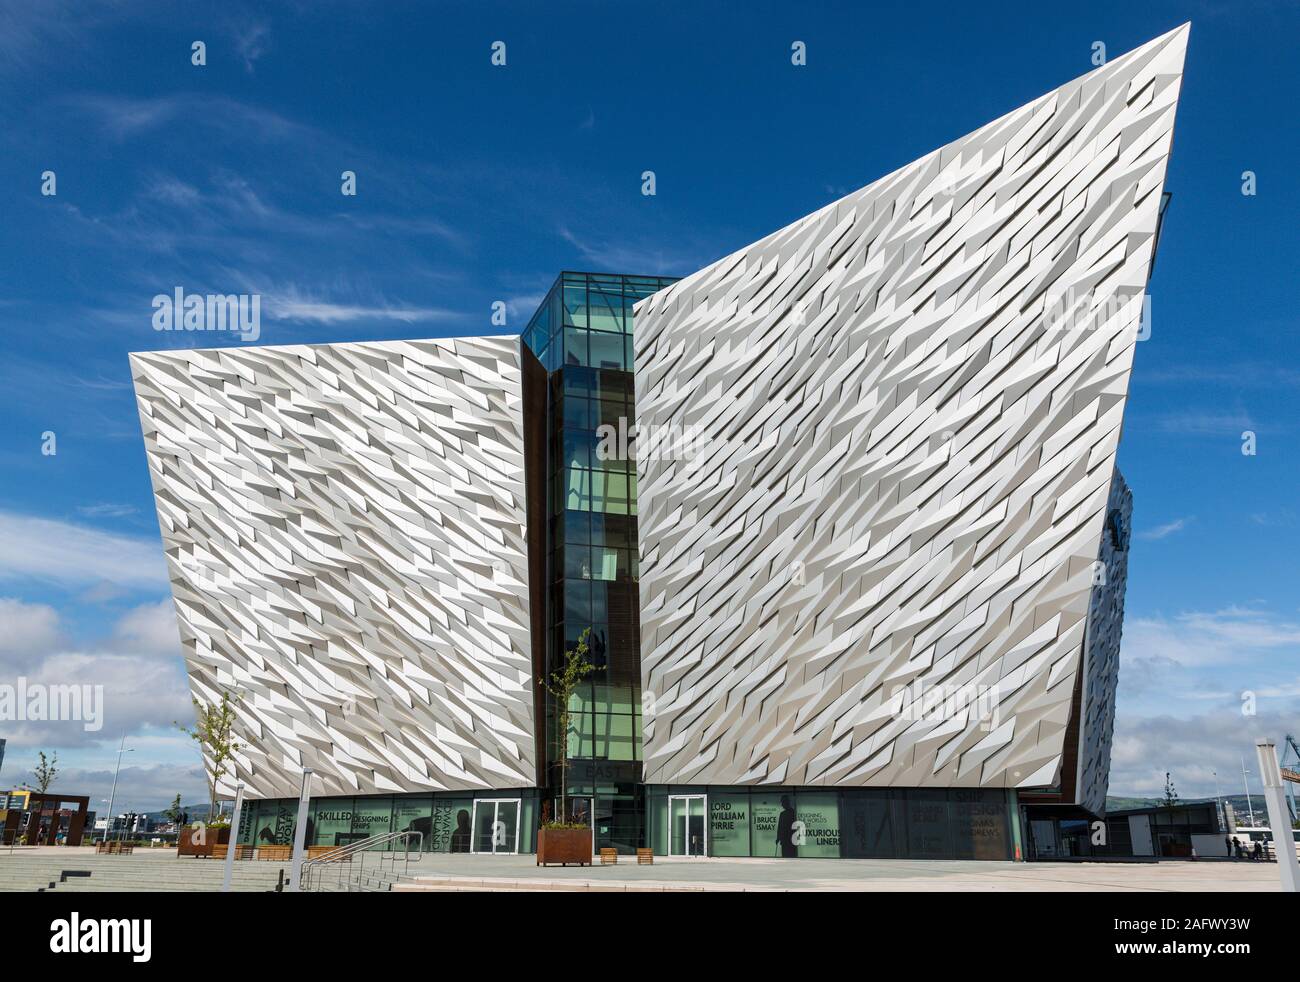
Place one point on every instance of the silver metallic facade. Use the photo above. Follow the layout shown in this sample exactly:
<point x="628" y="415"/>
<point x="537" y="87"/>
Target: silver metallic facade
<point x="345" y="535"/>
<point x="906" y="407"/>
<point x="1101" y="671"/>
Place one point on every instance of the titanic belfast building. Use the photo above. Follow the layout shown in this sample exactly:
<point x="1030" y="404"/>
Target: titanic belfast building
<point x="839" y="516"/>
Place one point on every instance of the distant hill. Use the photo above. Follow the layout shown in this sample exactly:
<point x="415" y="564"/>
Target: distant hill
<point x="1238" y="802"/>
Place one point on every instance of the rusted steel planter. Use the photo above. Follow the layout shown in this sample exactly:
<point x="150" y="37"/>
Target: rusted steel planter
<point x="563" y="846"/>
<point x="186" y="846"/>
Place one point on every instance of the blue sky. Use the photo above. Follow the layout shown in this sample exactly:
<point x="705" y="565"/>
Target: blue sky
<point x="477" y="184"/>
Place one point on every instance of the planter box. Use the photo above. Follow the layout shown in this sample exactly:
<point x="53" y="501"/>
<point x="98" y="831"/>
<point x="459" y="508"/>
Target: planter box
<point x="186" y="846"/>
<point x="563" y="846"/>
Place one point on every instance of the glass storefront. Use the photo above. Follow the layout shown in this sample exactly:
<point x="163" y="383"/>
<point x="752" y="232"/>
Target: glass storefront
<point x="445" y="821"/>
<point x="818" y="823"/>
<point x="677" y="820"/>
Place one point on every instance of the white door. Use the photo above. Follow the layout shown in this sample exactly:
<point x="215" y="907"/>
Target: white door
<point x="688" y="827"/>
<point x="496" y="825"/>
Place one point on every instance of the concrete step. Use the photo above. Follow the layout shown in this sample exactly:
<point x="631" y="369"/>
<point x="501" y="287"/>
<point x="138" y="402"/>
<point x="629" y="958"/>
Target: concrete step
<point x="421" y="884"/>
<point x="129" y="874"/>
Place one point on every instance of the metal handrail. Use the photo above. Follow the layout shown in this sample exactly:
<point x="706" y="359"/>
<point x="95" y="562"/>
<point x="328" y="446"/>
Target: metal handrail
<point x="314" y="873"/>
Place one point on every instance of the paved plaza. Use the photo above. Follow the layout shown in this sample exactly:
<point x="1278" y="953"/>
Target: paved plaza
<point x="38" y="868"/>
<point x="519" y="873"/>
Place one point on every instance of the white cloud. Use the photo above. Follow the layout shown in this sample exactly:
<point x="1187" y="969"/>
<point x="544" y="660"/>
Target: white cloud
<point x="1192" y="750"/>
<point x="139" y="788"/>
<point x="1166" y="530"/>
<point x="27" y="631"/>
<point x="1231" y="636"/>
<point x="137" y="669"/>
<point x="150" y="629"/>
<point x="70" y="554"/>
<point x="291" y="308"/>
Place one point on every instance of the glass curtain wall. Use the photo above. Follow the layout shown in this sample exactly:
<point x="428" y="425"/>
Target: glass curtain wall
<point x="582" y="334"/>
<point x="443" y="819"/>
<point x="884" y="823"/>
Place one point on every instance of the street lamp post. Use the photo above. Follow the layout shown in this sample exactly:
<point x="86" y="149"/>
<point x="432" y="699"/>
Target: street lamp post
<point x="1218" y="804"/>
<point x="234" y="838"/>
<point x="300" y="834"/>
<point x="122" y="749"/>
<point x="1270" y="775"/>
<point x="1246" y="782"/>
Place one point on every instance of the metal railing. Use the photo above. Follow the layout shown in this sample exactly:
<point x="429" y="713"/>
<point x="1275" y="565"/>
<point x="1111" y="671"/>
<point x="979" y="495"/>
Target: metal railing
<point x="372" y="864"/>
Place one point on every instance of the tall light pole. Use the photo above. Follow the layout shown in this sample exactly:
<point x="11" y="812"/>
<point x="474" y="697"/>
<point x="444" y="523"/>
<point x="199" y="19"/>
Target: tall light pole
<point x="1279" y="819"/>
<point x="300" y="835"/>
<point x="1218" y="803"/>
<point x="1246" y="782"/>
<point x="233" y="847"/>
<point x="122" y="749"/>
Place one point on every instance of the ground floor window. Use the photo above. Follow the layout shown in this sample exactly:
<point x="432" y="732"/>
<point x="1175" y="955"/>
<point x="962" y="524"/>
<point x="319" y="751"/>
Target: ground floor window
<point x="818" y="823"/>
<point x="507" y="820"/>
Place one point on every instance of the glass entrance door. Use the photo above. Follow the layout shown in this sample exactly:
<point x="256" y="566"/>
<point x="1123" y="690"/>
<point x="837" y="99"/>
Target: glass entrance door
<point x="688" y="832"/>
<point x="496" y="825"/>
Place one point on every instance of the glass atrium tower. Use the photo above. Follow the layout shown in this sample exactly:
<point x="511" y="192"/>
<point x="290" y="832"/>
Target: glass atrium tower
<point x="581" y="339"/>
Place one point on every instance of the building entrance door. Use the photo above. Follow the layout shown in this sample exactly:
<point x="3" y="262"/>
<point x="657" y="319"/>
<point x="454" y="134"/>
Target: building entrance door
<point x="688" y="832"/>
<point x="496" y="825"/>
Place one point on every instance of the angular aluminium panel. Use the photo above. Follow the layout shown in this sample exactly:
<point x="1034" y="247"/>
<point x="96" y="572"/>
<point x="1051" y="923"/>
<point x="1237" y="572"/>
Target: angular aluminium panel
<point x="1101" y="672"/>
<point x="874" y="563"/>
<point x="345" y="534"/>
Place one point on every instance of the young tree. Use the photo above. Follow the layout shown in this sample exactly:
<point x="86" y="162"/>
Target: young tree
<point x="174" y="811"/>
<point x="45" y="771"/>
<point x="213" y="733"/>
<point x="1171" y="793"/>
<point x="561" y="684"/>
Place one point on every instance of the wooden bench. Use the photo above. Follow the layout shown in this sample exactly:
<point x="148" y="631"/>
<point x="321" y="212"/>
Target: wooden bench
<point x="609" y="857"/>
<point x="275" y="854"/>
<point x="645" y="857"/>
<point x="220" y="849"/>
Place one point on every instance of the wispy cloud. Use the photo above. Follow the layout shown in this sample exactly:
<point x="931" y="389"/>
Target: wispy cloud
<point x="251" y="42"/>
<point x="106" y="509"/>
<point x="75" y="555"/>
<point x="1231" y="636"/>
<point x="1243" y="374"/>
<point x="1166" y="530"/>
<point x="123" y="118"/>
<point x="1202" y="423"/>
<point x="292" y="304"/>
<point x="1281" y="518"/>
<point x="604" y="255"/>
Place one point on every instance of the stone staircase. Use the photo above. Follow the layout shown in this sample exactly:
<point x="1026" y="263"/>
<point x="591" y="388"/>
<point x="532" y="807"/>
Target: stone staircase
<point x="87" y="872"/>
